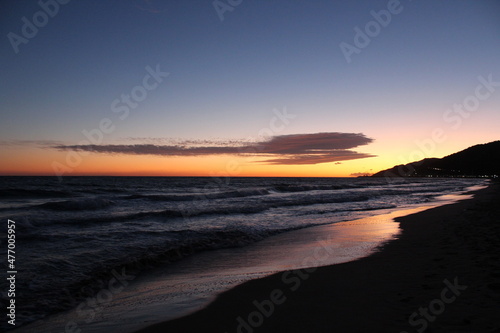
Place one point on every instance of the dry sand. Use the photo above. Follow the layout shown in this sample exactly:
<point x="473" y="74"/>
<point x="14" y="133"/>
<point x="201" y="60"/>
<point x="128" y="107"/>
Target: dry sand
<point x="441" y="275"/>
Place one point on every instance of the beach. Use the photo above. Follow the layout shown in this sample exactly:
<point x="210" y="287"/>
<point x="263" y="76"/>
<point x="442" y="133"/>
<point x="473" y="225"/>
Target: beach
<point x="174" y="244"/>
<point x="441" y="274"/>
<point x="248" y="279"/>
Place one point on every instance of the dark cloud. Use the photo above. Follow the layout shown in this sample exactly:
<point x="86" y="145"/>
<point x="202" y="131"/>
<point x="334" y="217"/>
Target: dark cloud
<point x="293" y="149"/>
<point x="341" y="155"/>
<point x="302" y="143"/>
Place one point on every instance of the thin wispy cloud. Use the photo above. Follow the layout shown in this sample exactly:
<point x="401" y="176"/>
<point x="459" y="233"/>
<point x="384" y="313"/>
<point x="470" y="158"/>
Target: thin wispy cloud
<point x="184" y="142"/>
<point x="31" y="143"/>
<point x="294" y="149"/>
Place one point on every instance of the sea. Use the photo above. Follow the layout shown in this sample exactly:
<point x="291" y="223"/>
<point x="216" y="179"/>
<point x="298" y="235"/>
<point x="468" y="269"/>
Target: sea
<point x="72" y="234"/>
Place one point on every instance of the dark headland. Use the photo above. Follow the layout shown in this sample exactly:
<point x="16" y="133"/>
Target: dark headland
<point x="477" y="161"/>
<point x="442" y="274"/>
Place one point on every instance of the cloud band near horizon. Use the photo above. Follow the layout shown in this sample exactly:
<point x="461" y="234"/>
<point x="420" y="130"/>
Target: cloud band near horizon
<point x="293" y="149"/>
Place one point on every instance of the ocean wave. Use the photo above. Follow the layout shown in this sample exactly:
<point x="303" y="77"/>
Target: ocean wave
<point x="197" y="209"/>
<point x="16" y="193"/>
<point x="200" y="196"/>
<point x="240" y="193"/>
<point x="202" y="207"/>
<point x="79" y="283"/>
<point x="288" y="188"/>
<point x="78" y="204"/>
<point x="354" y="209"/>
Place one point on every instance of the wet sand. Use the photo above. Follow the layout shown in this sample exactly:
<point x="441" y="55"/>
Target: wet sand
<point x="442" y="274"/>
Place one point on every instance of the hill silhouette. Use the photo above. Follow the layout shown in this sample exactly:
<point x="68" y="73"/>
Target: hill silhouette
<point x="477" y="161"/>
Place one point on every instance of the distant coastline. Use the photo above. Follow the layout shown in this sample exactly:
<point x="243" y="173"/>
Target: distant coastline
<point x="479" y="161"/>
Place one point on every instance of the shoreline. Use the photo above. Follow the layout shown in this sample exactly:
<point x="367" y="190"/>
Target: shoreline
<point x="444" y="261"/>
<point x="181" y="288"/>
<point x="167" y="293"/>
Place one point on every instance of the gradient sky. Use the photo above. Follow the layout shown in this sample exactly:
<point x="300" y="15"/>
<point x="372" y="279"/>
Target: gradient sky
<point x="229" y="79"/>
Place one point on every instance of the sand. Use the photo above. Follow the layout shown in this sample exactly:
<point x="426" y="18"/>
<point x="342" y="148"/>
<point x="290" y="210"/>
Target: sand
<point x="442" y="274"/>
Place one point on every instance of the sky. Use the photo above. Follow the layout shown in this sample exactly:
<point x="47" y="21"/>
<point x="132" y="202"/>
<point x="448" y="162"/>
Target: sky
<point x="244" y="88"/>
